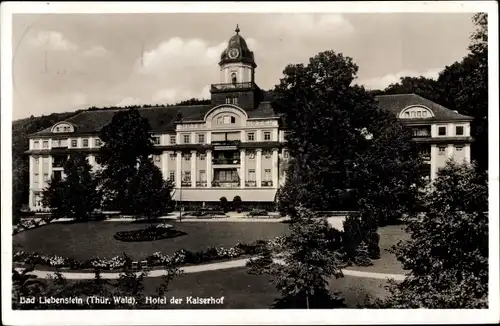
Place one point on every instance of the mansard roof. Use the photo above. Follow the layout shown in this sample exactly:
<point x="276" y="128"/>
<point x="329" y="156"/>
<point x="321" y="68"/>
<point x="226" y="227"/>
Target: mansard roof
<point x="397" y="103"/>
<point x="161" y="118"/>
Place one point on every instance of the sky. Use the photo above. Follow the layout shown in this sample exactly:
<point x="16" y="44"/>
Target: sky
<point x="64" y="62"/>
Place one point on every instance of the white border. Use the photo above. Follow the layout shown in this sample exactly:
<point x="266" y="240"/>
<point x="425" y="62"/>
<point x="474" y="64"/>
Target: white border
<point x="249" y="317"/>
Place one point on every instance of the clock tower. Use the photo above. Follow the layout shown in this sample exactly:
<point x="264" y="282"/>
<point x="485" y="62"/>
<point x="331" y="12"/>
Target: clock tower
<point x="237" y="75"/>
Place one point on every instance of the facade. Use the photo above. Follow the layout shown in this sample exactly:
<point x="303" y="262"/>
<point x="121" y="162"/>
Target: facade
<point x="234" y="146"/>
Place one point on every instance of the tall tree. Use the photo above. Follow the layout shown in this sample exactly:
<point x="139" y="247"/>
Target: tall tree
<point x="76" y="195"/>
<point x="340" y="139"/>
<point x="309" y="258"/>
<point x="148" y="193"/>
<point x="447" y="253"/>
<point x="127" y="142"/>
<point x="425" y="87"/>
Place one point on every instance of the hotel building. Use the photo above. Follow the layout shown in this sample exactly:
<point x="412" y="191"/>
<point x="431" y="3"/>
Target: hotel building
<point x="234" y="146"/>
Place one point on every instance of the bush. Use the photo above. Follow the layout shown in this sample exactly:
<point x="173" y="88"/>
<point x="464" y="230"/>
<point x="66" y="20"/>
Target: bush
<point x="237" y="204"/>
<point x="150" y="233"/>
<point x="223" y="204"/>
<point x="256" y="212"/>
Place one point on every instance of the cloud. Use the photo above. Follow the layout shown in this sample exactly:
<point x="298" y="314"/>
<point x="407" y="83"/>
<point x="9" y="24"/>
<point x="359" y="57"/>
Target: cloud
<point x="311" y="24"/>
<point x="129" y="101"/>
<point x="96" y="51"/>
<point x="177" y="53"/>
<point x="53" y="40"/>
<point x="386" y="80"/>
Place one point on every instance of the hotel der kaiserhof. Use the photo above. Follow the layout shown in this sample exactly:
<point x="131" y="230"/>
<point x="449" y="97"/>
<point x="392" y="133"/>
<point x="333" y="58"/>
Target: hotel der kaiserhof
<point x="234" y="146"/>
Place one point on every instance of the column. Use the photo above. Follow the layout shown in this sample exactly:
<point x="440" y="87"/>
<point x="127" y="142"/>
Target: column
<point x="31" y="168"/>
<point x="258" y="168"/>
<point x="434" y="130"/>
<point x="164" y="165"/>
<point x="193" y="169"/>
<point x="209" y="137"/>
<point x="50" y="167"/>
<point x="243" y="171"/>
<point x="178" y="170"/>
<point x="450" y="151"/>
<point x="467" y="153"/>
<point x="434" y="155"/>
<point x="274" y="170"/>
<point x="275" y="135"/>
<point x="208" y="173"/>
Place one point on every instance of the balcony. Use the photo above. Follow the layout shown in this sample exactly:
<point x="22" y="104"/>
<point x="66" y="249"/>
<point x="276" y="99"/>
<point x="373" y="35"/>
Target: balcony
<point x="59" y="144"/>
<point x="267" y="183"/>
<point x="229" y="86"/>
<point x="201" y="184"/>
<point x="226" y="142"/>
<point x="251" y="183"/>
<point x="225" y="184"/>
<point x="421" y="132"/>
<point x="186" y="184"/>
<point x="58" y="162"/>
<point x="225" y="161"/>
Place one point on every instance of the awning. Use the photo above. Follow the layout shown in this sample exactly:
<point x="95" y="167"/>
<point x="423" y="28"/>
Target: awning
<point x="214" y="194"/>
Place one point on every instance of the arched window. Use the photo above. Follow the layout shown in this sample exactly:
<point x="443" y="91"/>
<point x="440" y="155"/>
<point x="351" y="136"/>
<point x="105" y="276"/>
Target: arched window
<point x="233" y="78"/>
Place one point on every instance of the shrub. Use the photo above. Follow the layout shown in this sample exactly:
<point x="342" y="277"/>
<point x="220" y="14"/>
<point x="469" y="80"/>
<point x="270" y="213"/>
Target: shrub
<point x="237" y="203"/>
<point x="223" y="204"/>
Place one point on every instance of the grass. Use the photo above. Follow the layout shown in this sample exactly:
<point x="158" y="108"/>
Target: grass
<point x="87" y="240"/>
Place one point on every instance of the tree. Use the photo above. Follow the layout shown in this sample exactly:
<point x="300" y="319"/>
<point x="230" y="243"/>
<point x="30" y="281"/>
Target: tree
<point x="223" y="204"/>
<point x="76" y="195"/>
<point x="425" y="87"/>
<point x="25" y="285"/>
<point x="148" y="193"/>
<point x="447" y="254"/>
<point x="309" y="258"/>
<point x="127" y="142"/>
<point x="341" y="140"/>
<point x="465" y="89"/>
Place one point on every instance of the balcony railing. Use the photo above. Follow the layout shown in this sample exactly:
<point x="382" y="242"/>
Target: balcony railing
<point x="251" y="184"/>
<point x="201" y="183"/>
<point x="225" y="184"/>
<point x="226" y="86"/>
<point x="267" y="183"/>
<point x="225" y="161"/>
<point x="186" y="184"/>
<point x="225" y="142"/>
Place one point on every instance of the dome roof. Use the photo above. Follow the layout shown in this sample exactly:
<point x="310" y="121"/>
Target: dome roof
<point x="243" y="53"/>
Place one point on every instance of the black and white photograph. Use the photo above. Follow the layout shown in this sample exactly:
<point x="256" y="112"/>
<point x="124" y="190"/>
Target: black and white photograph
<point x="249" y="162"/>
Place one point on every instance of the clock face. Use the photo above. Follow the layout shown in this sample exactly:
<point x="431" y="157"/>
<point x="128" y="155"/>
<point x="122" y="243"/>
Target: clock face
<point x="233" y="53"/>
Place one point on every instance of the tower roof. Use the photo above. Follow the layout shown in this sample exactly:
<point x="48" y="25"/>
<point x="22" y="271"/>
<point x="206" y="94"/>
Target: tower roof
<point x="237" y="50"/>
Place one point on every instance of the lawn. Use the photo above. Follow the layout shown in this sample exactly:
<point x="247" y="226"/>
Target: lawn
<point x="87" y="240"/>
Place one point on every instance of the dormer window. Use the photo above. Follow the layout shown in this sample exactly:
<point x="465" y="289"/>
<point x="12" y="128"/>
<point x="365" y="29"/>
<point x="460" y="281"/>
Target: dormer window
<point x="62" y="127"/>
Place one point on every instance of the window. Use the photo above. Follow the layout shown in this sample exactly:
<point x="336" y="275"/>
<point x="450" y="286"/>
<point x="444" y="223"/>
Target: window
<point x="251" y="136"/>
<point x="35" y="178"/>
<point x="45" y="144"/>
<point x="201" y="138"/>
<point x="286" y="154"/>
<point x="267" y="154"/>
<point x="267" y="135"/>
<point x="407" y="114"/>
<point x="187" y="139"/>
<point x="156" y="140"/>
<point x="85" y="142"/>
<point x="442" y="131"/>
<point x="45" y="177"/>
<point x="228" y="100"/>
<point x="267" y="175"/>
<point x="413" y="114"/>
<point x="202" y="157"/>
<point x="233" y="120"/>
<point x="74" y="143"/>
<point x="459" y="130"/>
<point x="459" y="148"/>
<point x="172" y="139"/>
<point x="97" y="142"/>
<point x="37" y="160"/>
<point x="442" y="150"/>
<point x="187" y="157"/>
<point x="251" y="155"/>
<point x="203" y="176"/>
<point x="235" y="100"/>
<point x="419" y="114"/>
<point x="57" y="129"/>
<point x="171" y="176"/>
<point x="220" y="121"/>
<point x="227" y="119"/>
<point x="172" y="157"/>
<point x="187" y="176"/>
<point x="157" y="158"/>
<point x="424" y="114"/>
<point x="251" y="175"/>
<point x="36" y="144"/>
<point x="233" y="78"/>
